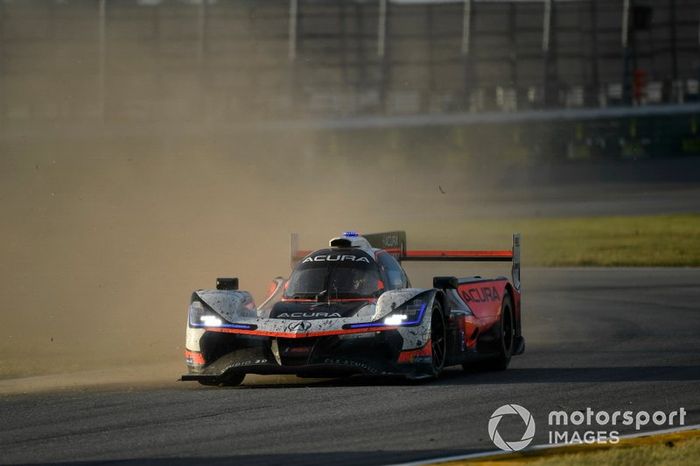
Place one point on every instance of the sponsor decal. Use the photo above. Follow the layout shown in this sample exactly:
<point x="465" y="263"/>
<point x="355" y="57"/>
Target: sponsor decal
<point x="308" y="315"/>
<point x="249" y="362"/>
<point x="336" y="258"/>
<point x="390" y="241"/>
<point x="297" y="350"/>
<point x="347" y="362"/>
<point x="194" y="358"/>
<point x="301" y="326"/>
<point x="481" y="295"/>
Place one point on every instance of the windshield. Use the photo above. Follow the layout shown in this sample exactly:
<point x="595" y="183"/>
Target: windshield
<point x="335" y="275"/>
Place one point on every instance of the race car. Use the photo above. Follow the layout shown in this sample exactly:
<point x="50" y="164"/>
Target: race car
<point x="350" y="309"/>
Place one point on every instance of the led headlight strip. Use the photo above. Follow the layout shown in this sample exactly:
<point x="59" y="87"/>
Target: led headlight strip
<point x="202" y="318"/>
<point x="395" y="319"/>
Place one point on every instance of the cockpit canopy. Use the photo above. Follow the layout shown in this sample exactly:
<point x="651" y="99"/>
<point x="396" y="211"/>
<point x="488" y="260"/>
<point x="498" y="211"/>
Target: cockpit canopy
<point x="336" y="273"/>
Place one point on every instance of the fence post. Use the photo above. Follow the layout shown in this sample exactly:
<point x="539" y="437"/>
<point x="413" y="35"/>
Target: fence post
<point x="102" y="32"/>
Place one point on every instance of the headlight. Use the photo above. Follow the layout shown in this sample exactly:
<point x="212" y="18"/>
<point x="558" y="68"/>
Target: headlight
<point x="201" y="317"/>
<point x="409" y="313"/>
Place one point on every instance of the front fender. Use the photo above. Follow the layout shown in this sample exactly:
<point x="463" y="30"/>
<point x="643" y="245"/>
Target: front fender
<point x="392" y="299"/>
<point x="231" y="305"/>
<point x="415" y="337"/>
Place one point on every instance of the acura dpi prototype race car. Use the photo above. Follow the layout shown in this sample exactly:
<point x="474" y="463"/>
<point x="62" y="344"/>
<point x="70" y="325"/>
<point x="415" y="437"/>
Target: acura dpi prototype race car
<point x="350" y="309"/>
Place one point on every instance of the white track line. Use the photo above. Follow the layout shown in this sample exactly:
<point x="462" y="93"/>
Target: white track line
<point x="445" y="459"/>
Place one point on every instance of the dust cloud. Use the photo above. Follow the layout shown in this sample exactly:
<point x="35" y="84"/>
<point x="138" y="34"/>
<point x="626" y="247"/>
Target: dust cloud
<point x="109" y="225"/>
<point x="103" y="242"/>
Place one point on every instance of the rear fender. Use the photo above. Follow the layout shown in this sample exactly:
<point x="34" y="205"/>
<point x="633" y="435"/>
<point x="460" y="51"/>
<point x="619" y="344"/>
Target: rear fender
<point x="516" y="298"/>
<point x="484" y="297"/>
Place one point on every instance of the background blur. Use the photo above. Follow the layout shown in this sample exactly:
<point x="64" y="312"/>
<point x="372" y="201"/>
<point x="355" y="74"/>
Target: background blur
<point x="148" y="146"/>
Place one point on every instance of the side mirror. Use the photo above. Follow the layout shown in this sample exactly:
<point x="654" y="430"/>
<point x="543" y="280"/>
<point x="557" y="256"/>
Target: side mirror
<point x="227" y="284"/>
<point x="444" y="283"/>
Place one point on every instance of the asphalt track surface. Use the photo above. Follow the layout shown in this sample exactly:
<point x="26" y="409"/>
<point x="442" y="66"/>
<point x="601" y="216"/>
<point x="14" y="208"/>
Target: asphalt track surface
<point x="609" y="339"/>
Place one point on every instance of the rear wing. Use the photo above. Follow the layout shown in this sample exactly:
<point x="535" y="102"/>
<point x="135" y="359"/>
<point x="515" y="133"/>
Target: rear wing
<point x="394" y="242"/>
<point x="504" y="255"/>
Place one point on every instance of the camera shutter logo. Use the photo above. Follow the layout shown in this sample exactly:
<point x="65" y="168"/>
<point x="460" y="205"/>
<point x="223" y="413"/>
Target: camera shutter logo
<point x="529" y="427"/>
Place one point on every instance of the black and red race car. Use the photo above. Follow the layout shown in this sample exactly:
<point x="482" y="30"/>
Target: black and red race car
<point x="350" y="309"/>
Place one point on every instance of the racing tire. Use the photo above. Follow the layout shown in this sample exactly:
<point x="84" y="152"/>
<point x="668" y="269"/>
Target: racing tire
<point x="233" y="379"/>
<point x="506" y="328"/>
<point x="438" y="339"/>
<point x="505" y="343"/>
<point x="209" y="383"/>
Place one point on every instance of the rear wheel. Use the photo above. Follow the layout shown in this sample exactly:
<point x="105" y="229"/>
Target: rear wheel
<point x="507" y="336"/>
<point x="438" y="339"/>
<point x="504" y="344"/>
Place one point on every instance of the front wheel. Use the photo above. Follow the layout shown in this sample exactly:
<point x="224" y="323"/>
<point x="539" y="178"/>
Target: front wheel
<point x="438" y="339"/>
<point x="209" y="383"/>
<point x="232" y="379"/>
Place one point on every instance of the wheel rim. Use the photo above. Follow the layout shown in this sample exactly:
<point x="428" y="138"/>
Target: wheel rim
<point x="437" y="339"/>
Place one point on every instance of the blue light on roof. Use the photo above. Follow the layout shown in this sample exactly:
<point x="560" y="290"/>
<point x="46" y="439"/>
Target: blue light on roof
<point x="350" y="234"/>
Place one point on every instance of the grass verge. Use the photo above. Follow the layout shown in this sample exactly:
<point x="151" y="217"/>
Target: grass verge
<point x="650" y="240"/>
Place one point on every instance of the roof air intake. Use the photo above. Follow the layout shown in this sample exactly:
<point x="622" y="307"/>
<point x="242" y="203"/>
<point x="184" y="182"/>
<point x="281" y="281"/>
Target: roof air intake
<point x="341" y="243"/>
